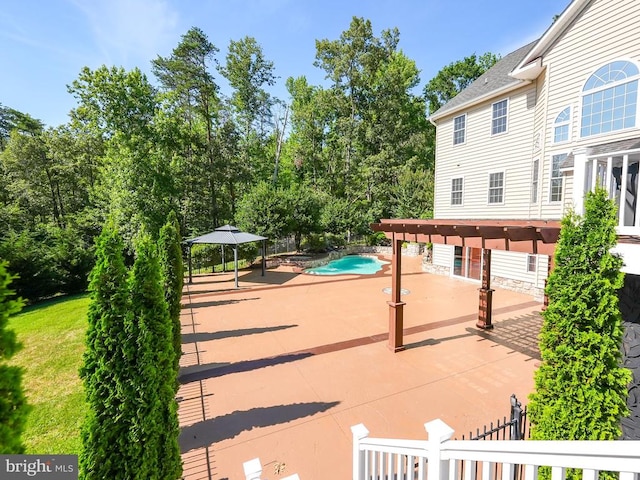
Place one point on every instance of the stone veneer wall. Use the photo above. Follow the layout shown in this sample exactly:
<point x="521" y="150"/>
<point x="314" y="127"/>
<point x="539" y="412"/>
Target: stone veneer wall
<point x="630" y="309"/>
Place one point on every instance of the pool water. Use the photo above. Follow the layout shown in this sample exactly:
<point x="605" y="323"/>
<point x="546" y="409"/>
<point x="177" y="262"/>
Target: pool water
<point x="351" y="264"/>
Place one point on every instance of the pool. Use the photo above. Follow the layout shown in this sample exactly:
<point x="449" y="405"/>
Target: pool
<point x="351" y="264"/>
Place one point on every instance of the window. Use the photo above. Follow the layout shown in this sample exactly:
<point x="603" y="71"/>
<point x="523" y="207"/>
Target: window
<point x="496" y="187"/>
<point x="531" y="263"/>
<point x="459" y="124"/>
<point x="561" y="126"/>
<point x="534" y="181"/>
<point x="555" y="189"/>
<point x="499" y="117"/>
<point x="456" y="191"/>
<point x="610" y="99"/>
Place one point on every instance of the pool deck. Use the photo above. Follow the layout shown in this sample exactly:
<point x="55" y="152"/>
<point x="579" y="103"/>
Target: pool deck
<point x="282" y="367"/>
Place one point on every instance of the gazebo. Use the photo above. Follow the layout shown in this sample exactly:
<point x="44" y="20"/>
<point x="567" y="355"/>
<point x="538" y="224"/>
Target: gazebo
<point x="229" y="235"/>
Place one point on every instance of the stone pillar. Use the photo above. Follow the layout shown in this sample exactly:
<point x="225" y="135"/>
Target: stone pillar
<point x="486" y="293"/>
<point x="396" y="305"/>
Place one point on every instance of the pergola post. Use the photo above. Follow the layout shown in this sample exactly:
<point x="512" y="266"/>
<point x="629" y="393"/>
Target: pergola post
<point x="224" y="264"/>
<point x="396" y="305"/>
<point x="264" y="256"/>
<point x="486" y="293"/>
<point x="190" y="276"/>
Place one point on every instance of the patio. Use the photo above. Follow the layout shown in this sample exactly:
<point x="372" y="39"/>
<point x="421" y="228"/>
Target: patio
<point x="282" y="368"/>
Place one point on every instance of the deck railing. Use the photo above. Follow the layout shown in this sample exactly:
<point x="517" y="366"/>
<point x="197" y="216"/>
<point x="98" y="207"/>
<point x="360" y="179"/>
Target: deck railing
<point x="440" y="458"/>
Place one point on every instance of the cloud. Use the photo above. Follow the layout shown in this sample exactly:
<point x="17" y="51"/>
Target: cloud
<point x="127" y="31"/>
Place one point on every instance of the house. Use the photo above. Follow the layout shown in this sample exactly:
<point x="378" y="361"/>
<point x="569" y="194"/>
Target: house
<point x="546" y="124"/>
<point x="521" y="146"/>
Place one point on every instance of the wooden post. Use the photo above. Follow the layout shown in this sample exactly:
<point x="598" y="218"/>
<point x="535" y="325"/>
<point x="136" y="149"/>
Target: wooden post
<point x="396" y="305"/>
<point x="264" y="256"/>
<point x="486" y="293"/>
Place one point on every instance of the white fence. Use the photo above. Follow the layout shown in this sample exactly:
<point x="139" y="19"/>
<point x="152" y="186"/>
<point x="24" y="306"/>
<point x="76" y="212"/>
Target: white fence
<point x="440" y="458"/>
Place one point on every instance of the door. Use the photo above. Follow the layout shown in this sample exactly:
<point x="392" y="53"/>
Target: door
<point x="467" y="262"/>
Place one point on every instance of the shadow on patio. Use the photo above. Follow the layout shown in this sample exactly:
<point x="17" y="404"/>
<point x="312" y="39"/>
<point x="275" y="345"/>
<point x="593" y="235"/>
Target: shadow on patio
<point x="232" y="424"/>
<point x="241" y="332"/>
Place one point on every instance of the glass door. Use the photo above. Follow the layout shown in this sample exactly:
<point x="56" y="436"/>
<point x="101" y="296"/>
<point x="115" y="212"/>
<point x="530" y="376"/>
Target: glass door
<point x="467" y="262"/>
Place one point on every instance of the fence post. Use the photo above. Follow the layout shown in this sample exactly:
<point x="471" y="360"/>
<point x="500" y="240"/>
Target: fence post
<point x="438" y="432"/>
<point x="516" y="418"/>
<point x="252" y="469"/>
<point x="359" y="432"/>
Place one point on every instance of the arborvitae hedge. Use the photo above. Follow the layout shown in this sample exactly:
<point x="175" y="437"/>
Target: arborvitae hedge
<point x="172" y="269"/>
<point x="581" y="387"/>
<point x="13" y="404"/>
<point x="105" y="373"/>
<point x="155" y="426"/>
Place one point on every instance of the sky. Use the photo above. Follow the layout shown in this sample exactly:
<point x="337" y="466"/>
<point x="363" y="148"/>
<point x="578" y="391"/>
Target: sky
<point x="45" y="43"/>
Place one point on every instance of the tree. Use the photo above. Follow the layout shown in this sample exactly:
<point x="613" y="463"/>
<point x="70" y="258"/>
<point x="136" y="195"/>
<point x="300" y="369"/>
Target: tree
<point x="581" y="387"/>
<point x="154" y="427"/>
<point x="304" y="207"/>
<point x="263" y="211"/>
<point x="455" y="77"/>
<point x="13" y="404"/>
<point x="192" y="106"/>
<point x="107" y="451"/>
<point x="170" y="255"/>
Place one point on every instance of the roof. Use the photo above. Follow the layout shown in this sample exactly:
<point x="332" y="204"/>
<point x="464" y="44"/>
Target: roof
<point x="614" y="147"/>
<point x="549" y="37"/>
<point x="226" y="235"/>
<point x="490" y="83"/>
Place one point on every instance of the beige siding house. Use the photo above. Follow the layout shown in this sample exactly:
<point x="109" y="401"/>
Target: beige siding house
<point x="547" y="123"/>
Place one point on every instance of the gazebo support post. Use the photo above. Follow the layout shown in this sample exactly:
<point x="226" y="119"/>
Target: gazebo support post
<point x="396" y="305"/>
<point x="486" y="293"/>
<point x="224" y="264"/>
<point x="235" y="262"/>
<point x="189" y="256"/>
<point x="264" y="256"/>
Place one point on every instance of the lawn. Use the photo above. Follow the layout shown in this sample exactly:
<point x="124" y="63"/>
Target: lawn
<point x="52" y="334"/>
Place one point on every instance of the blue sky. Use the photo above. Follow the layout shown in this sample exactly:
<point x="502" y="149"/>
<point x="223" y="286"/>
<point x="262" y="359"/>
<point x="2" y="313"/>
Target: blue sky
<point x="45" y="43"/>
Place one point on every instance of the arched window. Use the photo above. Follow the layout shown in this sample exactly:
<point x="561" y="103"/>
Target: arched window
<point x="610" y="99"/>
<point x="561" y="126"/>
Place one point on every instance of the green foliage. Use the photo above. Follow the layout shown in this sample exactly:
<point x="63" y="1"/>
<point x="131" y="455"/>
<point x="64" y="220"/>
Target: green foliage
<point x="378" y="238"/>
<point x="263" y="211"/>
<point x="13" y="404"/>
<point x="455" y="77"/>
<point x="304" y="207"/>
<point x="170" y="257"/>
<point x="106" y="451"/>
<point x="129" y="370"/>
<point x="581" y="387"/>
<point x="154" y="423"/>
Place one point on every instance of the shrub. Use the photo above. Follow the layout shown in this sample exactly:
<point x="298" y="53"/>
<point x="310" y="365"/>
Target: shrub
<point x="581" y="387"/>
<point x="13" y="404"/>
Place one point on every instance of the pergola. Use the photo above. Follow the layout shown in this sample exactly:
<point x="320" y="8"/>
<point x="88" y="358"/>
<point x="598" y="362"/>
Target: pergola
<point x="229" y="235"/>
<point x="529" y="236"/>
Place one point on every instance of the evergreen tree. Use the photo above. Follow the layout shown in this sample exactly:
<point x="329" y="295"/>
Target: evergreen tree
<point x="580" y="387"/>
<point x="104" y="373"/>
<point x="172" y="267"/>
<point x="13" y="404"/>
<point x="155" y="425"/>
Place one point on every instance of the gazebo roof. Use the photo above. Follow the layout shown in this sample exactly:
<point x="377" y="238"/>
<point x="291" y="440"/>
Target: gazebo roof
<point x="226" y="235"/>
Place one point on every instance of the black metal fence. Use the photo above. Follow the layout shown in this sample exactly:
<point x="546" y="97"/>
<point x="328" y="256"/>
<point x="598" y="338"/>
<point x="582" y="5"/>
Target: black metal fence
<point x="517" y="427"/>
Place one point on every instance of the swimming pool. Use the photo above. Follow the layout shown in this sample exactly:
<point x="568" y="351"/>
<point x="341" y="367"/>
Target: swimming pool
<point x="351" y="264"/>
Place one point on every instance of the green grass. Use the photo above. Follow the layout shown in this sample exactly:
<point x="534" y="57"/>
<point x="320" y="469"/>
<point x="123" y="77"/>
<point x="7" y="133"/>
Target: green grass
<point x="53" y="334"/>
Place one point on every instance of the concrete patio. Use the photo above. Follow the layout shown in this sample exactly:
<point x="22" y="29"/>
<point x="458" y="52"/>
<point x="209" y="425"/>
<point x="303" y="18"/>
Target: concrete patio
<point x="282" y="367"/>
